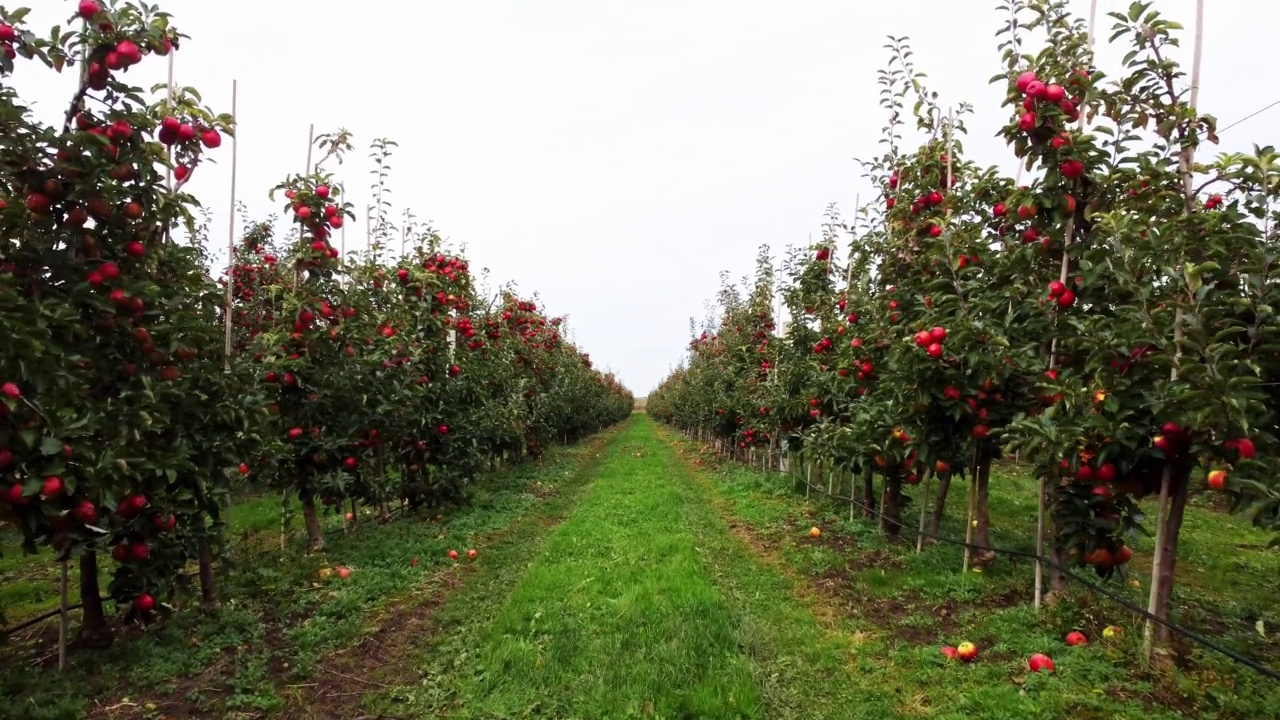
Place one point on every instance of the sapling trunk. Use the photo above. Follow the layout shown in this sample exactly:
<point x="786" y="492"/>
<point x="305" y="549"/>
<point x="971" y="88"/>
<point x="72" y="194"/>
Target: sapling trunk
<point x="868" y="491"/>
<point x="204" y="553"/>
<point x="94" y="630"/>
<point x="982" y="515"/>
<point x="1179" y="483"/>
<point x="891" y="521"/>
<point x="939" y="503"/>
<point x="315" y="536"/>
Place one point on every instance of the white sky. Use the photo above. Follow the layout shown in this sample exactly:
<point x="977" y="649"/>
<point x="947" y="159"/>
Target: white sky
<point x="614" y="157"/>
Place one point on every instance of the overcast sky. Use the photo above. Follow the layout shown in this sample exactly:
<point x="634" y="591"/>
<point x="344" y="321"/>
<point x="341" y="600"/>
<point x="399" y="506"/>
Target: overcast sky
<point x="614" y="157"/>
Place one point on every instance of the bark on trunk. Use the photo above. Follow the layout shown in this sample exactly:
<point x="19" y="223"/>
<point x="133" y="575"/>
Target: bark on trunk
<point x="94" y="630"/>
<point x="1169" y="553"/>
<point x="315" y="536"/>
<point x="939" y="503"/>
<point x="208" y="584"/>
<point x="892" y="520"/>
<point x="982" y="556"/>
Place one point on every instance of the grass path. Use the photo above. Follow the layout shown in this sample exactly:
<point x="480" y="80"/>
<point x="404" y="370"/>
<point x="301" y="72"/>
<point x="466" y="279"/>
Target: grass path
<point x="641" y="604"/>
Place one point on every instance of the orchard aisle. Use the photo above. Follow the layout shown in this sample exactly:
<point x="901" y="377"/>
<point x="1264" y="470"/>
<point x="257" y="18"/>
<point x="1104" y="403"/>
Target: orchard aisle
<point x="640" y="604"/>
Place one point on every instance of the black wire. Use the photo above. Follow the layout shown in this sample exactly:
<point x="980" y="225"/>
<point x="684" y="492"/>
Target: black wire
<point x="1066" y="572"/>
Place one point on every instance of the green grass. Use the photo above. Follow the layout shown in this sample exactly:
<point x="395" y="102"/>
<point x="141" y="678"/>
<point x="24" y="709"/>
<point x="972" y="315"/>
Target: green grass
<point x="634" y="576"/>
<point x="910" y="605"/>
<point x="282" y="628"/>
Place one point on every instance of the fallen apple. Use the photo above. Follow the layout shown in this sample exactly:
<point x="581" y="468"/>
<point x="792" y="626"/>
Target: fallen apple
<point x="1040" y="662"/>
<point x="453" y="554"/>
<point x="414" y="561"/>
<point x="343" y="572"/>
<point x="1111" y="631"/>
<point x="324" y="573"/>
<point x="1077" y="638"/>
<point x="471" y="554"/>
<point x="814" y="532"/>
<point x="967" y="651"/>
<point x="949" y="652"/>
<point x="350" y="516"/>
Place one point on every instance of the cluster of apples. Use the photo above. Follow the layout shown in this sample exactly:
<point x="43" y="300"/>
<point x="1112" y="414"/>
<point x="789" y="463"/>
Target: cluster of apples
<point x="931" y="340"/>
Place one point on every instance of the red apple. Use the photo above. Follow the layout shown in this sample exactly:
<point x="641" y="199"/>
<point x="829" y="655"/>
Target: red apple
<point x="144" y="603"/>
<point x="471" y="554"/>
<point x="453" y="554"/>
<point x="1040" y="663"/>
<point x="967" y="652"/>
<point x="85" y="512"/>
<point x="1076" y="638"/>
<point x="51" y="487"/>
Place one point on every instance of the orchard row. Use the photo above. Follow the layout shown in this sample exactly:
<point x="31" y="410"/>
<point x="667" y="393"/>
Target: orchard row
<point x="136" y="386"/>
<point x="1110" y="317"/>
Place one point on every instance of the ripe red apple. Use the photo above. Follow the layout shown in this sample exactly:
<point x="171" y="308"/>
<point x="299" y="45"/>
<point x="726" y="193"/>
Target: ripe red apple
<point x="144" y="603"/>
<point x="1076" y="638"/>
<point x="1217" y="479"/>
<point x="11" y="391"/>
<point x="1071" y="169"/>
<point x="938" y="334"/>
<point x="967" y="652"/>
<point x="135" y="249"/>
<point x="934" y="350"/>
<point x="244" y="469"/>
<point x="52" y="487"/>
<point x="131" y="505"/>
<point x="453" y="554"/>
<point x="471" y="554"/>
<point x="1027" y="122"/>
<point x="1066" y="299"/>
<point x="1040" y="663"/>
<point x="1243" y="446"/>
<point x="1054" y="93"/>
<point x="1024" y="80"/>
<point x="85" y="512"/>
<point x="1123" y="555"/>
<point x="949" y="652"/>
<point x="343" y="572"/>
<point x="165" y="522"/>
<point x="139" y="551"/>
<point x="980" y="432"/>
<point x="295" y="433"/>
<point x="350" y="463"/>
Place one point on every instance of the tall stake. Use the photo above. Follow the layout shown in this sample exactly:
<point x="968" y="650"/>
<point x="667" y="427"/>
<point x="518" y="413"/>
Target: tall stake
<point x="1042" y="505"/>
<point x="1186" y="159"/>
<point x="231" y="234"/>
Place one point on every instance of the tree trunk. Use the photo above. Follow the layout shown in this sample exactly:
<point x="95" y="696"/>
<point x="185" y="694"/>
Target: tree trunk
<point x="1169" y="553"/>
<point x="868" y="491"/>
<point x="982" y="532"/>
<point x="315" y="536"/>
<point x="94" y="630"/>
<point x="891" y="522"/>
<point x="208" y="585"/>
<point x="939" y="503"/>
